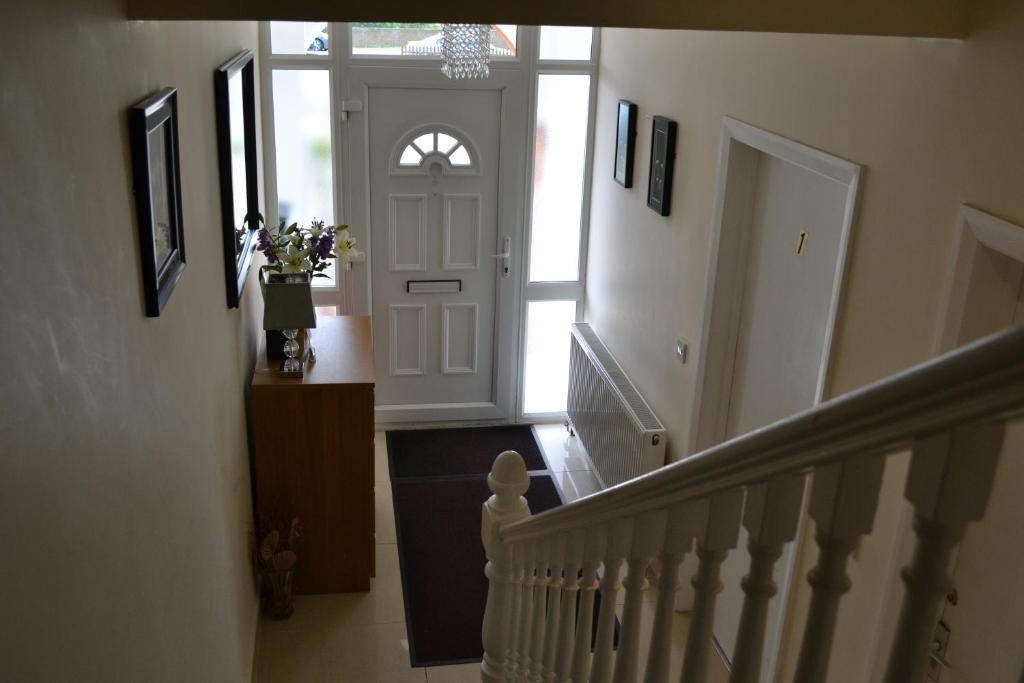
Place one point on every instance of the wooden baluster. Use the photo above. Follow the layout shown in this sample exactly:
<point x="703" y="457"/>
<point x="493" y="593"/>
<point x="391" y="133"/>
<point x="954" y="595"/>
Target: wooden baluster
<point x="844" y="497"/>
<point x="540" y="607"/>
<point x="526" y="612"/>
<point x="770" y="516"/>
<point x="508" y="482"/>
<point x="648" y="533"/>
<point x="680" y="529"/>
<point x="515" y="610"/>
<point x="551" y="628"/>
<point x="716" y="536"/>
<point x="949" y="483"/>
<point x="593" y="551"/>
<point x="615" y="553"/>
<point x="570" y="591"/>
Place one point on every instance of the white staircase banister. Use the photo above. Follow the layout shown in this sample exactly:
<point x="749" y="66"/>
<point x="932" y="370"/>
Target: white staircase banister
<point x="983" y="379"/>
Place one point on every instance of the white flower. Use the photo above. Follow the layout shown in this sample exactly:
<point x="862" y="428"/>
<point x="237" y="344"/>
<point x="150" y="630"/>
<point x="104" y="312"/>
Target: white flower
<point x="295" y="260"/>
<point x="344" y="244"/>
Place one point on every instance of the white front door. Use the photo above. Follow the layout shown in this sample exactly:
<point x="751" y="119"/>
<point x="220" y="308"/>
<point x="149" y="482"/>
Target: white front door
<point x="434" y="156"/>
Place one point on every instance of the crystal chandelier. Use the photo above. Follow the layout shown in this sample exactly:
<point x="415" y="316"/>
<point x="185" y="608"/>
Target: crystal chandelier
<point x="466" y="50"/>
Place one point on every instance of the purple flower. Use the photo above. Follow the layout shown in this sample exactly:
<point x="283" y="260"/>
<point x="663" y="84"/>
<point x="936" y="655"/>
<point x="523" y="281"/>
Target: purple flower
<point x="323" y="247"/>
<point x="263" y="239"/>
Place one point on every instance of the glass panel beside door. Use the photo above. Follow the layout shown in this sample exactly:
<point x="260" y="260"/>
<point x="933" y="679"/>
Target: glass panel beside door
<point x="302" y="135"/>
<point x="560" y="155"/>
<point x="299" y="38"/>
<point x="546" y="381"/>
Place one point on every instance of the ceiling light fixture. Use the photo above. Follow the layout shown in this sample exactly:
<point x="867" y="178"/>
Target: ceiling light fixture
<point x="466" y="50"/>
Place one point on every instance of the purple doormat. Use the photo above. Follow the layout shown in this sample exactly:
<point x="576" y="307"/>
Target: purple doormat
<point x="442" y="562"/>
<point x="453" y="452"/>
<point x="438" y="484"/>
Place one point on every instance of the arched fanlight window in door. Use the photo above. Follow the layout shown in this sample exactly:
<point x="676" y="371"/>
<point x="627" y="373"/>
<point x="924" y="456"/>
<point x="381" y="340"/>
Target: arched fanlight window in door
<point x="451" y="147"/>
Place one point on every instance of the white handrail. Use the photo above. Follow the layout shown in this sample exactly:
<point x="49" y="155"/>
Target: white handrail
<point x="983" y="379"/>
<point x="950" y="412"/>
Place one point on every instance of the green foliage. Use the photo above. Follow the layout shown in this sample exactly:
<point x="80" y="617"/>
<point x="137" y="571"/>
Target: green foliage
<point x="320" y="148"/>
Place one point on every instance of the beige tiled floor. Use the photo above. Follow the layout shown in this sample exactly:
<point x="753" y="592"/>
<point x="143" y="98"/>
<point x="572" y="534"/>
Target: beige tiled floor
<point x="361" y="637"/>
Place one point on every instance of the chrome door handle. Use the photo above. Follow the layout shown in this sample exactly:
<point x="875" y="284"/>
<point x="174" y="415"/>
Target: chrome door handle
<point x="505" y="256"/>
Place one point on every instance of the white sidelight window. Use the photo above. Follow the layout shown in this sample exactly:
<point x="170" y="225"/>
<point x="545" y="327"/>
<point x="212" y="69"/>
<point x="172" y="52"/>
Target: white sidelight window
<point x="298" y="38"/>
<point x="563" y="111"/>
<point x="559" y="164"/>
<point x="546" y="382"/>
<point x="300" y="138"/>
<point x="566" y="43"/>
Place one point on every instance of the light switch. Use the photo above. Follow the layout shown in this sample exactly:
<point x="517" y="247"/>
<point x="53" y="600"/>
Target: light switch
<point x="681" y="348"/>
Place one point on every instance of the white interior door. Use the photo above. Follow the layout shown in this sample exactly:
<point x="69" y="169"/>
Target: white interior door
<point x="984" y="623"/>
<point x="796" y="227"/>
<point x="436" y="284"/>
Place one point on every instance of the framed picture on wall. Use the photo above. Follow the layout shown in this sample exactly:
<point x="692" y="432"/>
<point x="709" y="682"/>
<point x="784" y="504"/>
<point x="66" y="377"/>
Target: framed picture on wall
<point x="625" y="143"/>
<point x="235" y="93"/>
<point x="663" y="155"/>
<point x="153" y="131"/>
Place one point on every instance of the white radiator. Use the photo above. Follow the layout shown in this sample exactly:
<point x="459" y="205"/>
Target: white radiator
<point x="619" y="431"/>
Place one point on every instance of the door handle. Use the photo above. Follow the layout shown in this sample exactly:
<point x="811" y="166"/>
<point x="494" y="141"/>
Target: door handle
<point x="505" y="256"/>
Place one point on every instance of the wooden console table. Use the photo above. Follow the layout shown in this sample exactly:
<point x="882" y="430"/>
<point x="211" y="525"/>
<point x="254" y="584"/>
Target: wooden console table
<point x="313" y="455"/>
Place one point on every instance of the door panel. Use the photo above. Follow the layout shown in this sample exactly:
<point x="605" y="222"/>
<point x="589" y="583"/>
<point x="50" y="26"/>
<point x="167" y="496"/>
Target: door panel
<point x="407" y="231"/>
<point x="462" y="231"/>
<point x="434" y="160"/>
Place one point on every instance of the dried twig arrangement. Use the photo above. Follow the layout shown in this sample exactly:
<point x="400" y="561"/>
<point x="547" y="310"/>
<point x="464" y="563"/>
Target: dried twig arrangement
<point x="276" y="560"/>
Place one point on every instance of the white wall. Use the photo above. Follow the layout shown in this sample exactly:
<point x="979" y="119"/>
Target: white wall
<point x="124" y="489"/>
<point x="934" y="123"/>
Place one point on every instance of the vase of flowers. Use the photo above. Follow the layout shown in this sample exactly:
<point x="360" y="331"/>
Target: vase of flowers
<point x="297" y="249"/>
<point x="299" y="254"/>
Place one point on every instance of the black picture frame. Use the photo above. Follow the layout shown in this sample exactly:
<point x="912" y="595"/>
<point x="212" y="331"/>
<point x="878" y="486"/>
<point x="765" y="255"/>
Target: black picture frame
<point x="663" y="155"/>
<point x="156" y="175"/>
<point x="625" y="143"/>
<point x="235" y="97"/>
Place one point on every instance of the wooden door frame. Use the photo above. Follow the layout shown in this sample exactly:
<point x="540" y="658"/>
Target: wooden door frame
<point x="741" y="149"/>
<point x="360" y="78"/>
<point x="975" y="230"/>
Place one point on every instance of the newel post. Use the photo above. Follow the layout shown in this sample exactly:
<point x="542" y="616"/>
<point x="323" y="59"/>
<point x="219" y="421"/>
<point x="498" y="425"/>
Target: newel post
<point x="508" y="482"/>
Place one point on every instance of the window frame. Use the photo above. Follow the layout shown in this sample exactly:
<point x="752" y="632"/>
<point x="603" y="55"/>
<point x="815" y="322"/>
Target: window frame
<point x="499" y="61"/>
<point x="563" y="290"/>
<point x="329" y="295"/>
<point x="463" y="141"/>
